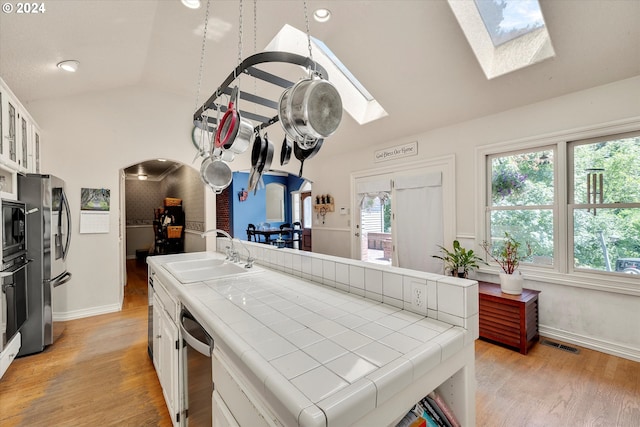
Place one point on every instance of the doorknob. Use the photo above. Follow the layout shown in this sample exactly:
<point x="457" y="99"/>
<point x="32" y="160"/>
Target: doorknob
<point x="357" y="234"/>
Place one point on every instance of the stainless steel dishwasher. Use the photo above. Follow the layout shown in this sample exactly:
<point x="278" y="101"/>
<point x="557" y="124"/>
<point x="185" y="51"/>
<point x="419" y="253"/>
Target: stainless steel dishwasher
<point x="197" y="375"/>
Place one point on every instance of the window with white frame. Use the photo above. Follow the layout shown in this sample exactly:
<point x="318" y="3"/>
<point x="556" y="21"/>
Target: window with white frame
<point x="604" y="203"/>
<point x="521" y="200"/>
<point x="601" y="197"/>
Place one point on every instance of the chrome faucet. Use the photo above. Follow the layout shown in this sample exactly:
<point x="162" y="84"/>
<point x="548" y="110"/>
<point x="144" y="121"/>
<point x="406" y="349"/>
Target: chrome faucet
<point x="232" y="254"/>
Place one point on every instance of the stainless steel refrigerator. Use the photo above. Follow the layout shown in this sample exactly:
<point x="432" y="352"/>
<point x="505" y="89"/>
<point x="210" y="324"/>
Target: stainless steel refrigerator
<point x="48" y="239"/>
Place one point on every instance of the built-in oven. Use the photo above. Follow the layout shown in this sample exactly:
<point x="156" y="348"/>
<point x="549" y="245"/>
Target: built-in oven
<point x="197" y="371"/>
<point x="14" y="243"/>
<point x="13" y="299"/>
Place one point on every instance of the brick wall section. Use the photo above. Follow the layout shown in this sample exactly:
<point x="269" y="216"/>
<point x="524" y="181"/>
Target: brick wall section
<point x="223" y="211"/>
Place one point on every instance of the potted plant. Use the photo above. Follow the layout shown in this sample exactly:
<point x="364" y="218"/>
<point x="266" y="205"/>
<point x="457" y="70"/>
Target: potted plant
<point x="508" y="256"/>
<point x="460" y="261"/>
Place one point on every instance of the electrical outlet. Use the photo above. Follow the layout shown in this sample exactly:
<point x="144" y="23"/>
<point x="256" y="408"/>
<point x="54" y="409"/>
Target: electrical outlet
<point x="419" y="297"/>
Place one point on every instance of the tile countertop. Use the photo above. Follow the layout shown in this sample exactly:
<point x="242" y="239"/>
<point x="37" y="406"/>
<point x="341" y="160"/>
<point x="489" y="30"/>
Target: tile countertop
<point x="320" y="356"/>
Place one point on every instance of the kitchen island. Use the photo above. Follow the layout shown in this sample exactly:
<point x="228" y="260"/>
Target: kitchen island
<point x="314" y="340"/>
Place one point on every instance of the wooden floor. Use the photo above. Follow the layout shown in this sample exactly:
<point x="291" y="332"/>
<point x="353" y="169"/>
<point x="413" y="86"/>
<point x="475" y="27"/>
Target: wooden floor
<point x="98" y="373"/>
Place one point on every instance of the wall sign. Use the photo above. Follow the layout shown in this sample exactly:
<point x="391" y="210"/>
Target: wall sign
<point x="397" y="152"/>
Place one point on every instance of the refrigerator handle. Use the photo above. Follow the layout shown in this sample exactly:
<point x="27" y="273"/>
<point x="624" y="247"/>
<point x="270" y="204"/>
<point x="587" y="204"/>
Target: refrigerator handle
<point x="61" y="280"/>
<point x="65" y="202"/>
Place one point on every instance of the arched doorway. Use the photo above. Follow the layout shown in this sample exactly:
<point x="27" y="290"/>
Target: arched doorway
<point x="141" y="199"/>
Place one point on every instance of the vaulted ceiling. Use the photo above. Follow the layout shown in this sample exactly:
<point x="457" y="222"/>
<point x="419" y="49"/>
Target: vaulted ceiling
<point x="412" y="56"/>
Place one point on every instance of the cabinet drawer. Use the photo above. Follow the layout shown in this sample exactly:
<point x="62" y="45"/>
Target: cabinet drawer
<point x="170" y="305"/>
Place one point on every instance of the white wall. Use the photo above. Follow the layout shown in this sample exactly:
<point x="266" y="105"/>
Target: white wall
<point x="596" y="319"/>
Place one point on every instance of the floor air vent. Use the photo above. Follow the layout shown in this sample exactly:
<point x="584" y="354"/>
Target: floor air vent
<point x="560" y="346"/>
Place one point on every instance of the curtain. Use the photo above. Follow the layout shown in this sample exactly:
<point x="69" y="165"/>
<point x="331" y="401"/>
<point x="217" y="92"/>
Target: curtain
<point x="370" y="190"/>
<point x="419" y="221"/>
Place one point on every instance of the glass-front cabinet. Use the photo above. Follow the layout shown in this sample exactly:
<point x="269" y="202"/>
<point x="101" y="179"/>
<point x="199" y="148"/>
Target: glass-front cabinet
<point x="19" y="135"/>
<point x="19" y="142"/>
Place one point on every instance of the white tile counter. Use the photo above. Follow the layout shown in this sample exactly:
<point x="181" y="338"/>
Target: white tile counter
<point x="321" y="356"/>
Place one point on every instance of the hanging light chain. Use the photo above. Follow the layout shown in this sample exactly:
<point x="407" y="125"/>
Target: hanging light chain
<point x="240" y="36"/>
<point x="306" y="21"/>
<point x="255" y="46"/>
<point x="202" y="53"/>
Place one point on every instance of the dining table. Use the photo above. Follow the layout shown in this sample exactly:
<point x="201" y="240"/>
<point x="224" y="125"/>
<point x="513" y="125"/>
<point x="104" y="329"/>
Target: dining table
<point x="279" y="241"/>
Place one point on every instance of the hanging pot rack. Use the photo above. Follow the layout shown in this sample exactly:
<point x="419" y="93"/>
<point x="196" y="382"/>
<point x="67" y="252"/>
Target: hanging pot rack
<point x="247" y="66"/>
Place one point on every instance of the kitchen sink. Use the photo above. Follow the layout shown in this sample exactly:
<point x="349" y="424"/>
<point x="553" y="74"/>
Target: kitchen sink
<point x="199" y="270"/>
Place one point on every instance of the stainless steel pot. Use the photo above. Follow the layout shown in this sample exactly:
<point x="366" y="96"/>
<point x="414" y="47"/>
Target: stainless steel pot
<point x="216" y="173"/>
<point x="313" y="110"/>
<point x="284" y="111"/>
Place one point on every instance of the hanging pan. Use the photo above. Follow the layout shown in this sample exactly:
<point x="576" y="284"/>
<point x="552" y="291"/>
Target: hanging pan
<point x="303" y="154"/>
<point x="261" y="159"/>
<point x="256" y="152"/>
<point x="234" y="133"/>
<point x="285" y="151"/>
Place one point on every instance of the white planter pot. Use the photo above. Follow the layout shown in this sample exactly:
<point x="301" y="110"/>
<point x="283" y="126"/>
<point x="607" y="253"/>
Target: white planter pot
<point x="511" y="283"/>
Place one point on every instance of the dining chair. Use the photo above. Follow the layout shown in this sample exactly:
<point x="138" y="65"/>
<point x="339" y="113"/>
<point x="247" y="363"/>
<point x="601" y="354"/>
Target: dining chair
<point x="296" y="234"/>
<point x="251" y="233"/>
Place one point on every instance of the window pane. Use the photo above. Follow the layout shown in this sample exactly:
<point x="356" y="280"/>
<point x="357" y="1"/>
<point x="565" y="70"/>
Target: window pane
<point x="610" y="235"/>
<point x="307" y="212"/>
<point x="532" y="226"/>
<point x="522" y="179"/>
<point x="617" y="161"/>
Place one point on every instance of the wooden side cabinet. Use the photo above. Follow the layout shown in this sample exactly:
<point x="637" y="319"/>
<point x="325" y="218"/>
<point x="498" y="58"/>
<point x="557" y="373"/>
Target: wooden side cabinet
<point x="511" y="320"/>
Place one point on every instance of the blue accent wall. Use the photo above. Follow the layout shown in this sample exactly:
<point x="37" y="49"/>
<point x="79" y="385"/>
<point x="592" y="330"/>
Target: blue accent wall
<point x="253" y="210"/>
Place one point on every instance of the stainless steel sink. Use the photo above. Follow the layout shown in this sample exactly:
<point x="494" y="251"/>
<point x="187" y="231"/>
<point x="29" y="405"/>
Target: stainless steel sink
<point x="199" y="270"/>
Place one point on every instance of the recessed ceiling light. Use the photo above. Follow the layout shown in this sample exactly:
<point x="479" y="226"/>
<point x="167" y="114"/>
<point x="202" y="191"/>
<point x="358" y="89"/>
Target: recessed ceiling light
<point x="322" y="15"/>
<point x="70" y="66"/>
<point x="191" y="4"/>
<point x="142" y="177"/>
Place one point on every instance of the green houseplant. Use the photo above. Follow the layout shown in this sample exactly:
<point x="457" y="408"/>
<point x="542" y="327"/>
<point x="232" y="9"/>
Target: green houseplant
<point x="460" y="261"/>
<point x="508" y="255"/>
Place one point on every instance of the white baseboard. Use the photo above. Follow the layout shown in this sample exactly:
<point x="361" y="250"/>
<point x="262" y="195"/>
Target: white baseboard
<point x="603" y="346"/>
<point x="86" y="312"/>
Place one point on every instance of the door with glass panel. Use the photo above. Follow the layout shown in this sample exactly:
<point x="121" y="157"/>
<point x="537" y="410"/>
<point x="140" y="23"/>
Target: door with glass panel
<point x="400" y="218"/>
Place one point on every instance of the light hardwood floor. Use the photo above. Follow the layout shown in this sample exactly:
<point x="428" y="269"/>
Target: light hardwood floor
<point x="98" y="373"/>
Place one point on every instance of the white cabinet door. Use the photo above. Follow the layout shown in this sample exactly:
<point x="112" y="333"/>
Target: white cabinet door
<point x="169" y="368"/>
<point x="11" y="132"/>
<point x="157" y="321"/>
<point x="221" y="415"/>
<point x="24" y="139"/>
<point x="35" y="151"/>
<point x="9" y="353"/>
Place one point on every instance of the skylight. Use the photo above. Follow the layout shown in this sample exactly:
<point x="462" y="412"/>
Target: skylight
<point x="505" y="20"/>
<point x="505" y="35"/>
<point x="356" y="100"/>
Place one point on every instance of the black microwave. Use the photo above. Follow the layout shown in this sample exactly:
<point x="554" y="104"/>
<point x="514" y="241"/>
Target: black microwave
<point x="14" y="242"/>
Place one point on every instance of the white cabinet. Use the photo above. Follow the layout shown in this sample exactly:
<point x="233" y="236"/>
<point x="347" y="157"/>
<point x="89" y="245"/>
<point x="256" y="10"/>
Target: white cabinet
<point x="9" y="353"/>
<point x="221" y="415"/>
<point x="157" y="320"/>
<point x="166" y="348"/>
<point x="169" y="368"/>
<point x="19" y="134"/>
<point x="241" y="401"/>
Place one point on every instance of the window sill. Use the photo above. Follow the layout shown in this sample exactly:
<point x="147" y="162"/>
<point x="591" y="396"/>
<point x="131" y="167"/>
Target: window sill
<point x="626" y="284"/>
